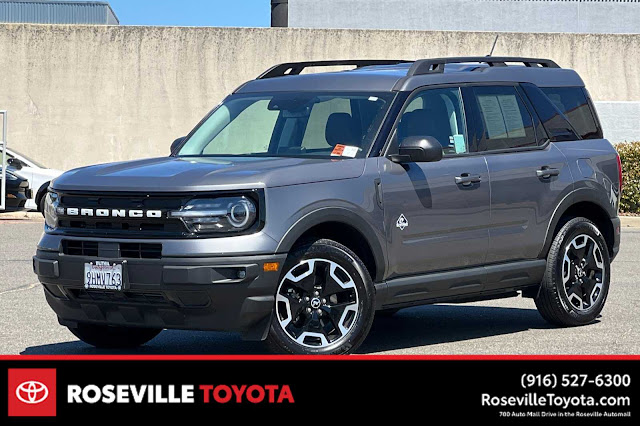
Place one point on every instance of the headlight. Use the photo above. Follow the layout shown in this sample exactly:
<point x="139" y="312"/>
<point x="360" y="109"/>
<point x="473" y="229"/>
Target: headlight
<point x="50" y="210"/>
<point x="217" y="215"/>
<point x="11" y="176"/>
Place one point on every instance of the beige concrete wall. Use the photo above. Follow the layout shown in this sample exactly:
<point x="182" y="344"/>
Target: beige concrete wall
<point x="78" y="95"/>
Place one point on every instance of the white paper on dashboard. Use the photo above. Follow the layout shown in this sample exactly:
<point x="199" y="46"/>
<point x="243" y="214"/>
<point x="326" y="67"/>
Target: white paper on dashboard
<point x="492" y="114"/>
<point x="512" y="116"/>
<point x="502" y="116"/>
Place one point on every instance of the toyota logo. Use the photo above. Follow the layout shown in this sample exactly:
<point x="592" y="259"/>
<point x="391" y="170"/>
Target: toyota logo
<point x="32" y="392"/>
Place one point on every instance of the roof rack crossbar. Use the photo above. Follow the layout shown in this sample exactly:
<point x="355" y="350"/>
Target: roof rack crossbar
<point x="431" y="66"/>
<point x="295" y="68"/>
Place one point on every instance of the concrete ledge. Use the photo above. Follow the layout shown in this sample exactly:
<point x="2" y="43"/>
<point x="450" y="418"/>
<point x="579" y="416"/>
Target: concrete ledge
<point x="21" y="216"/>
<point x="630" y="221"/>
<point x="126" y="89"/>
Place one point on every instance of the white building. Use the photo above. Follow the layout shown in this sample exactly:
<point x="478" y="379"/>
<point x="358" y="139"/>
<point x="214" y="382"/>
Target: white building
<point x="568" y="16"/>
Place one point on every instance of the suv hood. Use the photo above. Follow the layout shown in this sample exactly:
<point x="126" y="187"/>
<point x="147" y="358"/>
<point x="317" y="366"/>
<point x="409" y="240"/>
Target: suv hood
<point x="173" y="174"/>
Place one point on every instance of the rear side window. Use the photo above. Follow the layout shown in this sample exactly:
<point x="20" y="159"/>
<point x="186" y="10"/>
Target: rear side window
<point x="504" y="119"/>
<point x="573" y="103"/>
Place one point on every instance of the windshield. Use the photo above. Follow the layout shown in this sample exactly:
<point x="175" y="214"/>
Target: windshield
<point x="306" y="124"/>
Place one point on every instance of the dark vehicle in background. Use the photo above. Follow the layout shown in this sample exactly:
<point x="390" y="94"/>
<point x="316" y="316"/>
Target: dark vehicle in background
<point x="305" y="203"/>
<point x="18" y="192"/>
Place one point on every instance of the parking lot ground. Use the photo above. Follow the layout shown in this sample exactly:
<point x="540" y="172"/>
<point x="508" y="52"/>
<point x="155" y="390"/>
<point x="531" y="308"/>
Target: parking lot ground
<point x="507" y="326"/>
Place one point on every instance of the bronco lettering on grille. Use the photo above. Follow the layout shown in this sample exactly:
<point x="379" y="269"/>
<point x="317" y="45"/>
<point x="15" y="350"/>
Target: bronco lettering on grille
<point x="75" y="211"/>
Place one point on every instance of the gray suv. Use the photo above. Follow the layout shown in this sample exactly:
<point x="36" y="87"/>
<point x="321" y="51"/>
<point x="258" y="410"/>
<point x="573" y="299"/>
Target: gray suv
<point x="305" y="203"/>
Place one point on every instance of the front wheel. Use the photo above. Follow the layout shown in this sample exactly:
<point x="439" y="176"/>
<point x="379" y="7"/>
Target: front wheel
<point x="576" y="281"/>
<point x="324" y="303"/>
<point x="41" y="205"/>
<point x="108" y="337"/>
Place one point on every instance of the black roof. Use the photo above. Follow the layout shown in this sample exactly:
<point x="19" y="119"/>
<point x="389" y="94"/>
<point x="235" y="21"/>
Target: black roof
<point x="400" y="75"/>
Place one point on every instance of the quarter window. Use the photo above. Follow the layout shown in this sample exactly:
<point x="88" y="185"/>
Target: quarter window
<point x="572" y="102"/>
<point x="504" y="119"/>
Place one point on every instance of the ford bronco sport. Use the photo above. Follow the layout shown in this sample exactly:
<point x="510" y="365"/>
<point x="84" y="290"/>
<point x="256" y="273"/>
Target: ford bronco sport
<point x="306" y="202"/>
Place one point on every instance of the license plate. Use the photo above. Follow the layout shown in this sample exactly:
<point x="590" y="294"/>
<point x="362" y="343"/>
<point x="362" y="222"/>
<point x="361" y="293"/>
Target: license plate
<point x="101" y="275"/>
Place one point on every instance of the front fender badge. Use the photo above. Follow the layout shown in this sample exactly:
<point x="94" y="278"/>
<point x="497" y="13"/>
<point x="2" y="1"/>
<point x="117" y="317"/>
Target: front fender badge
<point x="402" y="222"/>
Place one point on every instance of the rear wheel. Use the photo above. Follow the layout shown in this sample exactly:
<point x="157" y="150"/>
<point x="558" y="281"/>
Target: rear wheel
<point x="104" y="336"/>
<point x="324" y="303"/>
<point x="576" y="281"/>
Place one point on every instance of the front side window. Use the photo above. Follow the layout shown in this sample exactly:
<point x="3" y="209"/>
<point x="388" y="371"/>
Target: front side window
<point x="504" y="118"/>
<point x="305" y="124"/>
<point x="437" y="113"/>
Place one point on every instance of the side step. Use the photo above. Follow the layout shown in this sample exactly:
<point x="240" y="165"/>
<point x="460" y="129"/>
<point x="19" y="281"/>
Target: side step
<point x="460" y="286"/>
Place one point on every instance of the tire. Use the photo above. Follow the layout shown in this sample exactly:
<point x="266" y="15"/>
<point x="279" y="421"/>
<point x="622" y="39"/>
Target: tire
<point x="41" y="205"/>
<point x="387" y="313"/>
<point x="337" y="318"/>
<point x="575" y="287"/>
<point x="42" y="192"/>
<point x="108" y="337"/>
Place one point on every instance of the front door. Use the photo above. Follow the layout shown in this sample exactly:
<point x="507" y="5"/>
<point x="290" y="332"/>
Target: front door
<point x="436" y="214"/>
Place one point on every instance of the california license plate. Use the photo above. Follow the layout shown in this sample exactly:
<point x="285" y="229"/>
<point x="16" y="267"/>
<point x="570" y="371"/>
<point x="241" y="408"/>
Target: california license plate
<point x="102" y="275"/>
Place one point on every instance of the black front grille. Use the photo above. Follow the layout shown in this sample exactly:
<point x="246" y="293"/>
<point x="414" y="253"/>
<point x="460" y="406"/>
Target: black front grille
<point x="126" y="250"/>
<point x="117" y="226"/>
<point x="140" y="250"/>
<point x="80" y="248"/>
<point x="128" y="227"/>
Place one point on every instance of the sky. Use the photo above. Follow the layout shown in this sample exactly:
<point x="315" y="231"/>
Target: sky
<point x="207" y="13"/>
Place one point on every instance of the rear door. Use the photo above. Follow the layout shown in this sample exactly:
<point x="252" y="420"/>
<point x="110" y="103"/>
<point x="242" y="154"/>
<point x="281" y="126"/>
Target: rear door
<point x="436" y="214"/>
<point x="529" y="175"/>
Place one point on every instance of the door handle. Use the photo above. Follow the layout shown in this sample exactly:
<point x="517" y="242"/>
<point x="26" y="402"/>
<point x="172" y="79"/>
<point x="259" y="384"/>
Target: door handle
<point x="379" y="198"/>
<point x="546" y="172"/>
<point x="467" y="179"/>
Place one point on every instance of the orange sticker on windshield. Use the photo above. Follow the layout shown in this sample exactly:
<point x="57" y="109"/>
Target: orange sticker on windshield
<point x="338" y="150"/>
<point x="344" y="151"/>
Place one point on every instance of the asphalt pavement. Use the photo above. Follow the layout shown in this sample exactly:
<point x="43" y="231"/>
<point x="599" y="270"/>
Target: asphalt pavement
<point x="506" y="326"/>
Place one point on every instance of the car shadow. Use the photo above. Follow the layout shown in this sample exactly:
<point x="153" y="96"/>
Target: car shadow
<point x="409" y="328"/>
<point x="169" y="342"/>
<point x="437" y="324"/>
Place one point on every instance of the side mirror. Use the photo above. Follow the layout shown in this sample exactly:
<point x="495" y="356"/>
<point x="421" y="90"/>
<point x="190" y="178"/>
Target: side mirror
<point x="176" y="143"/>
<point x="15" y="163"/>
<point x="418" y="149"/>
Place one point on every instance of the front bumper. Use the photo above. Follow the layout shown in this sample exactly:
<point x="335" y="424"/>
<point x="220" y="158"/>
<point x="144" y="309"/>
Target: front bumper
<point x="179" y="293"/>
<point x="15" y="201"/>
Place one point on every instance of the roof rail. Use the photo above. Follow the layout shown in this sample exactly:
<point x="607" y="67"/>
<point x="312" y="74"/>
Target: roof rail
<point x="295" y="68"/>
<point x="431" y="66"/>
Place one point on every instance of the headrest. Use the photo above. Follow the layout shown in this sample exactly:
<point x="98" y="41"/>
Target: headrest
<point x="342" y="129"/>
<point x="415" y="123"/>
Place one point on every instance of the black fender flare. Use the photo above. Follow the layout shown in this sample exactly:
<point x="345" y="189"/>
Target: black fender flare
<point x="372" y="236"/>
<point x="579" y="195"/>
<point x="42" y="191"/>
